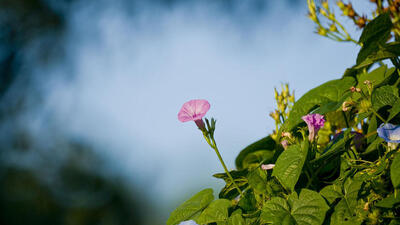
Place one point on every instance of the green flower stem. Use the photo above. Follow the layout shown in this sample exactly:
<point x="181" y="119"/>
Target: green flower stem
<point x="214" y="146"/>
<point x="377" y="115"/>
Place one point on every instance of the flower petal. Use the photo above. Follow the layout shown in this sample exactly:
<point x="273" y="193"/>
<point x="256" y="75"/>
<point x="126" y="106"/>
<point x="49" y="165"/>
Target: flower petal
<point x="193" y="110"/>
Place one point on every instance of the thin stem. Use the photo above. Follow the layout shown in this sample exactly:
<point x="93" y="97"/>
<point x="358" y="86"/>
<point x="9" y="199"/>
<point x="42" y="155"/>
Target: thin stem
<point x="377" y="115"/>
<point x="345" y="119"/>
<point x="214" y="146"/>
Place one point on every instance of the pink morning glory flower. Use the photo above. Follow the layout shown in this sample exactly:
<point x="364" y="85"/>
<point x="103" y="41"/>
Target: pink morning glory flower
<point x="314" y="123"/>
<point x="267" y="166"/>
<point x="194" y="110"/>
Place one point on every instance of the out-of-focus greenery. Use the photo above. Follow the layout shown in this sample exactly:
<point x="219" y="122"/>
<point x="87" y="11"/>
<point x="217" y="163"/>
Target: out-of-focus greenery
<point x="47" y="182"/>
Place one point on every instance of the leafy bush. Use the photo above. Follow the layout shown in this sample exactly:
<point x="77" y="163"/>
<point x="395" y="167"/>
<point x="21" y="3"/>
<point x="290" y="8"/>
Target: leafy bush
<point x="339" y="168"/>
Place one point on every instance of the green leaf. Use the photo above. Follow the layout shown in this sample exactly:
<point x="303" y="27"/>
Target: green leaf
<point x="380" y="25"/>
<point x="342" y="215"/>
<point x="289" y="165"/>
<point x="236" y="174"/>
<point x="391" y="50"/>
<point x="236" y="218"/>
<point x="376" y="33"/>
<point x="229" y="191"/>
<point x="190" y="207"/>
<point x="372" y="47"/>
<point x="389" y="202"/>
<point x="373" y="126"/>
<point x="376" y="76"/>
<point x="335" y="149"/>
<point x="265" y="144"/>
<point x="331" y="91"/>
<point x="395" y="171"/>
<point x="217" y="211"/>
<point x="345" y="210"/>
<point x="385" y="95"/>
<point x="255" y="158"/>
<point x="394" y="110"/>
<point x="257" y="180"/>
<point x="248" y="202"/>
<point x="309" y="209"/>
<point x="373" y="146"/>
<point x="331" y="193"/>
<point x="277" y="211"/>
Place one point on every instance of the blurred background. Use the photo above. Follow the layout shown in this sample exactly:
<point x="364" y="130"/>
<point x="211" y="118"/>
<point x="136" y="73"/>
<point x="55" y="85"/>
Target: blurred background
<point x="90" y="91"/>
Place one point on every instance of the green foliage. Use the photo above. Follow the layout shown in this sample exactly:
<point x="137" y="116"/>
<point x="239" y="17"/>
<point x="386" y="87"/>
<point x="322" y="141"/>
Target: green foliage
<point x="217" y="211"/>
<point x="308" y="208"/>
<point x="348" y="175"/>
<point x="328" y="94"/>
<point x="264" y="144"/>
<point x="395" y="171"/>
<point x="289" y="165"/>
<point x="191" y="207"/>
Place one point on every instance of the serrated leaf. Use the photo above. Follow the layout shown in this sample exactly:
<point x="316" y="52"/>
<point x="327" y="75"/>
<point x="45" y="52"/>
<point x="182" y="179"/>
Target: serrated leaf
<point x="217" y="211"/>
<point x="289" y="165"/>
<point x="190" y="207"/>
<point x="331" y="91"/>
<point x="309" y="209"/>
<point x="395" y="171"/>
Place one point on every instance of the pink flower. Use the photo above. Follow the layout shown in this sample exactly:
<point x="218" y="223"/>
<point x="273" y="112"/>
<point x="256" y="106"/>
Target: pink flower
<point x="314" y="123"/>
<point x="194" y="110"/>
<point x="267" y="166"/>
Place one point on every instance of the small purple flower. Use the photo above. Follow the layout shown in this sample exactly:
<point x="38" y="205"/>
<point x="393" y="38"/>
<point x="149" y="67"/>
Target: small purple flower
<point x="389" y="132"/>
<point x="267" y="166"/>
<point x="314" y="123"/>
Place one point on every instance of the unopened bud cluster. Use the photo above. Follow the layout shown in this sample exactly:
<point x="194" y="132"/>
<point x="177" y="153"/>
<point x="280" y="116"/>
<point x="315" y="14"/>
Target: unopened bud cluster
<point x="328" y="25"/>
<point x="332" y="29"/>
<point x="284" y="101"/>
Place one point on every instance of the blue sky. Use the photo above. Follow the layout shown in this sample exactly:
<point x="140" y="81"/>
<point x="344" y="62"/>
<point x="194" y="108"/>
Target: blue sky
<point x="126" y="78"/>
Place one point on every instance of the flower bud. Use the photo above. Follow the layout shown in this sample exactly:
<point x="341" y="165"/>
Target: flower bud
<point x="340" y="4"/>
<point x="312" y="17"/>
<point x="322" y="31"/>
<point x="346" y="106"/>
<point x="333" y="27"/>
<point x="323" y="12"/>
<point x="325" y="4"/>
